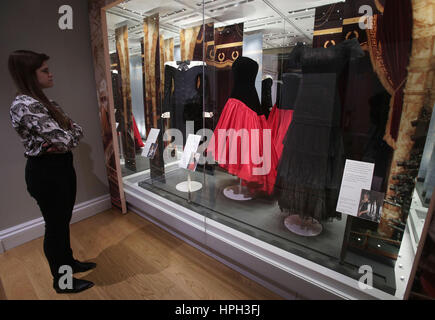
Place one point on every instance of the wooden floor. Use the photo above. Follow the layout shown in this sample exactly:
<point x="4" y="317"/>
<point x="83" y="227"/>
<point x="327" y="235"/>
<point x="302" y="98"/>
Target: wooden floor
<point x="135" y="260"/>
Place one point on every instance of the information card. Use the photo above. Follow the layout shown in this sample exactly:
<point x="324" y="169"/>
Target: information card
<point x="356" y="177"/>
<point x="151" y="142"/>
<point x="190" y="148"/>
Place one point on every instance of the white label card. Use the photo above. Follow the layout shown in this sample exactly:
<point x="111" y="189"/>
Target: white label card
<point x="357" y="176"/>
<point x="151" y="139"/>
<point x="191" y="146"/>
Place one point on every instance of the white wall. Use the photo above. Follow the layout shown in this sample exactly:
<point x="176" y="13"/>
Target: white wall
<point x="33" y="25"/>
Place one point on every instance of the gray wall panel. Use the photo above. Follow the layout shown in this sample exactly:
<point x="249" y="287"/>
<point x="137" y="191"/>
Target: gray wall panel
<point x="33" y="25"/>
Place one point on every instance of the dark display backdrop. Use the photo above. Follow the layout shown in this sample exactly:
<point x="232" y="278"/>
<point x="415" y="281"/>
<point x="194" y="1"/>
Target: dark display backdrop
<point x="228" y="47"/>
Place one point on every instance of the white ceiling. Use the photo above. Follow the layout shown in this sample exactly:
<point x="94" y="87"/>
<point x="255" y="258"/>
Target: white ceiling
<point x="282" y="22"/>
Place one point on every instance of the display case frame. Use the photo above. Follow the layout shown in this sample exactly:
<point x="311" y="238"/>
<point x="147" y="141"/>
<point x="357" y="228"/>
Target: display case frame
<point x="287" y="274"/>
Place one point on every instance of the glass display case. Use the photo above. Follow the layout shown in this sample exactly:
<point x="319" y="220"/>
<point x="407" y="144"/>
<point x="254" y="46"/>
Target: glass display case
<point x="280" y="123"/>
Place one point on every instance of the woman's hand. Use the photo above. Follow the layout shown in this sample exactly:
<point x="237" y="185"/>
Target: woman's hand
<point x="50" y="149"/>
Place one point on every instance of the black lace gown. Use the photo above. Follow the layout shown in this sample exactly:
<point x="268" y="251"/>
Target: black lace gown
<point x="311" y="167"/>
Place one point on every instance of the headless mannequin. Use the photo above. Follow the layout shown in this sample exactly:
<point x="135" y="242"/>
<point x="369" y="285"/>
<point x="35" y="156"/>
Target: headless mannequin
<point x="244" y="74"/>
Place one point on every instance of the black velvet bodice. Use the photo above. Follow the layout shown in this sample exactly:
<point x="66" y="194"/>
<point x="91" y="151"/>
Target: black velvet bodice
<point x="244" y="73"/>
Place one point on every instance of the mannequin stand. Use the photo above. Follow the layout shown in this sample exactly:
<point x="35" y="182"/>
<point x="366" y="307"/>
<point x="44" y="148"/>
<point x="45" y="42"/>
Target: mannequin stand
<point x="303" y="227"/>
<point x="237" y="192"/>
<point x="189" y="185"/>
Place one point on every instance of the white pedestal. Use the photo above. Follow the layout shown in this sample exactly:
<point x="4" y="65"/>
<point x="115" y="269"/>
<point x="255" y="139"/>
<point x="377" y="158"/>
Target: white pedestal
<point x="305" y="228"/>
<point x="238" y="193"/>
<point x="184" y="186"/>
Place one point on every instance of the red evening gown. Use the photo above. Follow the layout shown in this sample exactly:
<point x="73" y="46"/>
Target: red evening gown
<point x="245" y="157"/>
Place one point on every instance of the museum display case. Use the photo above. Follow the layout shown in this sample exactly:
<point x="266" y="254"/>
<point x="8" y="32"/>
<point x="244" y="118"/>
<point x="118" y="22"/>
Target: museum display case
<point x="292" y="140"/>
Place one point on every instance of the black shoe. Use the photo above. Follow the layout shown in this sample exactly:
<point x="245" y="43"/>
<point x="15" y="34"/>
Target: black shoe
<point x="79" y="285"/>
<point x="82" y="266"/>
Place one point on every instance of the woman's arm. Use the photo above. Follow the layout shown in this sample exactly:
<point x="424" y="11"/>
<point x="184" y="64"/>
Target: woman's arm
<point x="76" y="130"/>
<point x="37" y="120"/>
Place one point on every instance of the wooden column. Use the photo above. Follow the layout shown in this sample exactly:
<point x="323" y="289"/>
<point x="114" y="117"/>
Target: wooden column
<point x="166" y="54"/>
<point x="127" y="133"/>
<point x="188" y="39"/>
<point x="152" y="84"/>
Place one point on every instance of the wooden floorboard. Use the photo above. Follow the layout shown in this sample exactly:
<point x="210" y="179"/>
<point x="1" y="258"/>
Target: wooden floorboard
<point x="2" y="291"/>
<point x="135" y="260"/>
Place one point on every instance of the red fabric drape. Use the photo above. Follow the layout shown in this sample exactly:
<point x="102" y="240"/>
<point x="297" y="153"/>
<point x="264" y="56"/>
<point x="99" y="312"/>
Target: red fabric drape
<point x="394" y="34"/>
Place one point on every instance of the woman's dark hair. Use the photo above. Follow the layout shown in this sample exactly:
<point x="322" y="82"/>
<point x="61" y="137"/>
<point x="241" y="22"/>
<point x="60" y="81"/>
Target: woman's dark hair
<point x="22" y="67"/>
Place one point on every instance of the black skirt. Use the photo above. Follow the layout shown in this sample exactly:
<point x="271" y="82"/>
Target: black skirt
<point x="310" y="170"/>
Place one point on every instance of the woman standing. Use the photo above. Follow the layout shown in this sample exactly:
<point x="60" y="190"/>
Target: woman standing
<point x="48" y="136"/>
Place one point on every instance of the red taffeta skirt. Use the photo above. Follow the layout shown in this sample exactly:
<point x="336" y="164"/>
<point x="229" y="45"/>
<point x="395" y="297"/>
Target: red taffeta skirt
<point x="242" y="145"/>
<point x="279" y="121"/>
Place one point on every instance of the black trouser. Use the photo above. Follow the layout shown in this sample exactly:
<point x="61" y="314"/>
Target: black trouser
<point x="51" y="180"/>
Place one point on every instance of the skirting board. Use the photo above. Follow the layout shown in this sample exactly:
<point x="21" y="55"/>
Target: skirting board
<point x="25" y="232"/>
